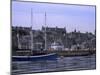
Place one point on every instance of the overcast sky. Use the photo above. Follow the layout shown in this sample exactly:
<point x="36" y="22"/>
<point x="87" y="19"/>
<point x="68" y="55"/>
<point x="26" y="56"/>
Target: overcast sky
<point x="81" y="18"/>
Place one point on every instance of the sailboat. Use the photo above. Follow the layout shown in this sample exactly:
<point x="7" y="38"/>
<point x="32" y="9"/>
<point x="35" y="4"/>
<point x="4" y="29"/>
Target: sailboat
<point x="44" y="56"/>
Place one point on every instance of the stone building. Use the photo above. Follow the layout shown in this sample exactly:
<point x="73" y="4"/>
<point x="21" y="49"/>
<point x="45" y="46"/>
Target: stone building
<point x="53" y="34"/>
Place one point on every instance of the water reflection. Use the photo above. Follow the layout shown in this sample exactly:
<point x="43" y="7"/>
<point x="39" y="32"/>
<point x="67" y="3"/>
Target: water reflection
<point x="66" y="63"/>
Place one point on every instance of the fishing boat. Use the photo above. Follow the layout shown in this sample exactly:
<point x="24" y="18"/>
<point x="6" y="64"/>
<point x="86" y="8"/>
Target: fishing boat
<point x="40" y="56"/>
<point x="51" y="56"/>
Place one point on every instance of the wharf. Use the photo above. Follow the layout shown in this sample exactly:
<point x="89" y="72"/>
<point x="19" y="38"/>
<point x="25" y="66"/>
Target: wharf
<point x="59" y="53"/>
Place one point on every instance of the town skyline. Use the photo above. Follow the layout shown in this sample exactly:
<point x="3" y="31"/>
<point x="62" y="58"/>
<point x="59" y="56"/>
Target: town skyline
<point x="81" y="18"/>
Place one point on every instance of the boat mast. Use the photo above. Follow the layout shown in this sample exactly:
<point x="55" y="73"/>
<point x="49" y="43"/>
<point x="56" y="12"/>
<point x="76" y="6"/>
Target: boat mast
<point x="45" y="34"/>
<point x="31" y="33"/>
<point x="19" y="45"/>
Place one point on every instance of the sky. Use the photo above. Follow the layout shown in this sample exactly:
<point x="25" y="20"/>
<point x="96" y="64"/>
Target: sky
<point x="79" y="17"/>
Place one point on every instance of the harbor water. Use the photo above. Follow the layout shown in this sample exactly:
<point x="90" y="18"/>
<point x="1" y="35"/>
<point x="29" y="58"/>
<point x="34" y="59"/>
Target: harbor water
<point x="61" y="64"/>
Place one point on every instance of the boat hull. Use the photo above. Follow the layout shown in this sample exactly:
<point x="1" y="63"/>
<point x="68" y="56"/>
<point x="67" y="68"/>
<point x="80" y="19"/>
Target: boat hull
<point x="52" y="56"/>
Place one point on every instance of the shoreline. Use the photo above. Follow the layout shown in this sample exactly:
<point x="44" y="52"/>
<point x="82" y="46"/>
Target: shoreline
<point x="59" y="53"/>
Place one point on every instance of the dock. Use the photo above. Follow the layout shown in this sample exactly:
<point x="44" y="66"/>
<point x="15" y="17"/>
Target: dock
<point x="59" y="53"/>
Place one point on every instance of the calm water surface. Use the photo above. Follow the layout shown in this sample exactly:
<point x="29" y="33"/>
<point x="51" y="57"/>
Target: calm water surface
<point x="66" y="63"/>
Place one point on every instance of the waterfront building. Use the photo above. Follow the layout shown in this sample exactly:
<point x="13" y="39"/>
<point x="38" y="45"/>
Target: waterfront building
<point x="57" y="39"/>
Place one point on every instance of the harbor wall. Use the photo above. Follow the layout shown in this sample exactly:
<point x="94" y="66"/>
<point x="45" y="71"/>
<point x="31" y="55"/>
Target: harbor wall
<point x="59" y="53"/>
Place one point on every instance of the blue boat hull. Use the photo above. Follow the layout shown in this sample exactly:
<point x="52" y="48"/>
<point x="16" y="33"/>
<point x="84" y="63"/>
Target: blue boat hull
<point x="52" y="56"/>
